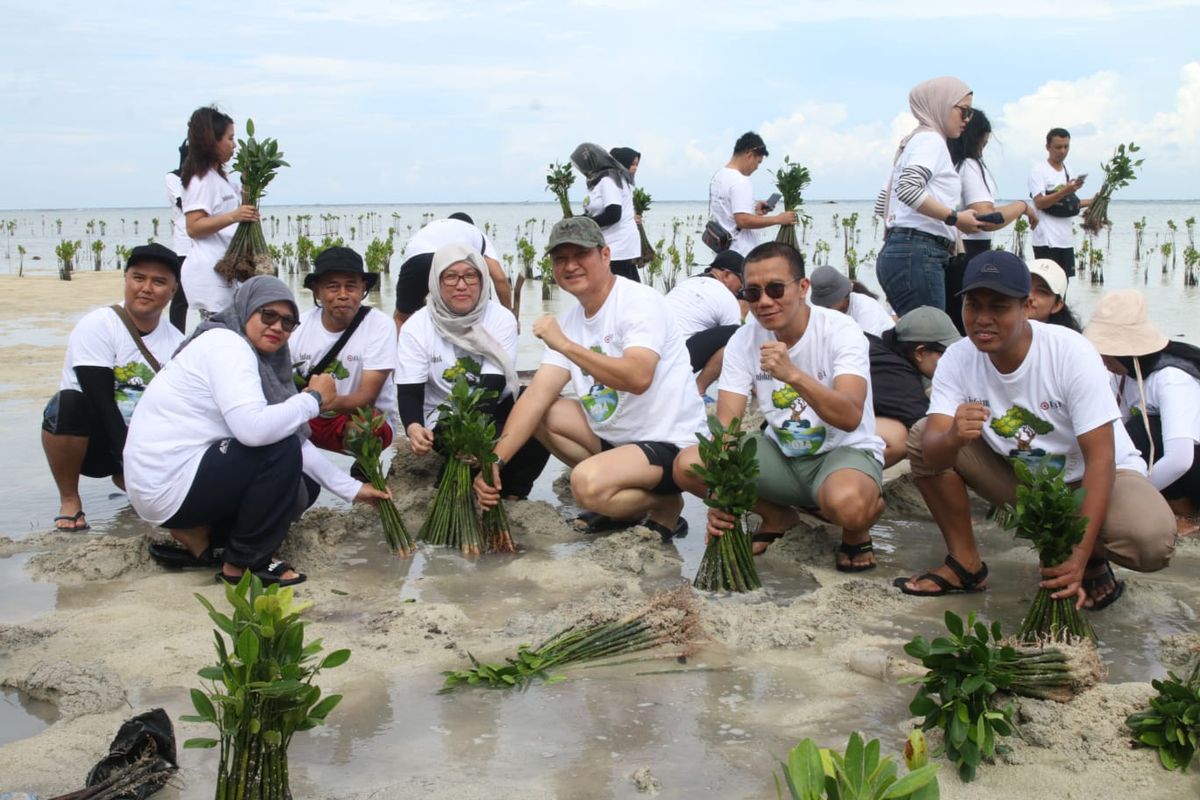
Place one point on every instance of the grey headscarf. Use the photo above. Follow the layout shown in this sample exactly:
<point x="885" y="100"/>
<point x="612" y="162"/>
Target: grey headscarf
<point x="274" y="369"/>
<point x="464" y="330"/>
<point x="595" y="163"/>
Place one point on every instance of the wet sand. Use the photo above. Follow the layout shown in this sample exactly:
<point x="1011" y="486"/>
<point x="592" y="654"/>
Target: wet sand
<point x="101" y="632"/>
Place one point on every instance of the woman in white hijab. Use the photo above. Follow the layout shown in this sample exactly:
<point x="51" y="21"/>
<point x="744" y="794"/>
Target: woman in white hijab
<point x="461" y="332"/>
<point x="920" y="224"/>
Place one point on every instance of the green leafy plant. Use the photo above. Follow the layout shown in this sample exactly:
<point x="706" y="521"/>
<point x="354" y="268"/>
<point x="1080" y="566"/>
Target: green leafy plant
<point x="367" y="450"/>
<point x="728" y="469"/>
<point x="261" y="689"/>
<point x="669" y="619"/>
<point x="1047" y="514"/>
<point x="66" y="250"/>
<point x="641" y="204"/>
<point x="811" y="773"/>
<point x="1172" y="723"/>
<point x="559" y="180"/>
<point x="256" y="162"/>
<point x="528" y="254"/>
<point x="1119" y="172"/>
<point x="378" y="255"/>
<point x="791" y="180"/>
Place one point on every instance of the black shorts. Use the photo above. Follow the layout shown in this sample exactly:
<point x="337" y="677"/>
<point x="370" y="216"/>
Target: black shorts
<point x="703" y="345"/>
<point x="1063" y="256"/>
<point x="659" y="454"/>
<point x="69" y="414"/>
<point x="412" y="286"/>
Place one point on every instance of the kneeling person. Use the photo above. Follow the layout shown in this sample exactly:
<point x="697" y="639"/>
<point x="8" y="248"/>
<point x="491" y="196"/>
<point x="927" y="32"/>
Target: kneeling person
<point x="809" y="369"/>
<point x="706" y="311"/>
<point x="111" y="356"/>
<point x="637" y="405"/>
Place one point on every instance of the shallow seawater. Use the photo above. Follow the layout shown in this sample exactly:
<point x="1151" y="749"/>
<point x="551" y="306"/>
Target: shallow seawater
<point x="21" y="716"/>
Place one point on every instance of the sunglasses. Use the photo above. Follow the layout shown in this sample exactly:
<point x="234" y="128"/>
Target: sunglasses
<point x="774" y="290"/>
<point x="967" y="112"/>
<point x="270" y="316"/>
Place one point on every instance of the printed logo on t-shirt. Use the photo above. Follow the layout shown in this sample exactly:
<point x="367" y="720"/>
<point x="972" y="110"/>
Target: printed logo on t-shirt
<point x="464" y="367"/>
<point x="1023" y="426"/>
<point x="797" y="436"/>
<point x="129" y="384"/>
<point x="300" y="372"/>
<point x="600" y="402"/>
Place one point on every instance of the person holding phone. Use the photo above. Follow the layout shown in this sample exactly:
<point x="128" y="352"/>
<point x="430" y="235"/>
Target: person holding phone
<point x="731" y="197"/>
<point x="1055" y="193"/>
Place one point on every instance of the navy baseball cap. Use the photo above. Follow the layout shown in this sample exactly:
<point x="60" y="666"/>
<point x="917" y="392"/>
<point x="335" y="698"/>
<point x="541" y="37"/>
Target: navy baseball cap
<point x="730" y="261"/>
<point x="999" y="271"/>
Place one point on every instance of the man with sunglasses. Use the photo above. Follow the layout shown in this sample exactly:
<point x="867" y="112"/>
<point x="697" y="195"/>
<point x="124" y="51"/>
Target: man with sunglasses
<point x="731" y="196"/>
<point x="636" y="403"/>
<point x="356" y="344"/>
<point x="809" y="368"/>
<point x="707" y="312"/>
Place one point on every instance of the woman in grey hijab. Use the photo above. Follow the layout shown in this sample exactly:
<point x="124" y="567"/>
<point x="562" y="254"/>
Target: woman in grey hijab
<point x="610" y="204"/>
<point x="219" y="455"/>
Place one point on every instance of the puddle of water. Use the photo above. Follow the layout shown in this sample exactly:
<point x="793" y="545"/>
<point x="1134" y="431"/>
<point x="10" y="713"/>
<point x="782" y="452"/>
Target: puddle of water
<point x="21" y="597"/>
<point x="21" y="716"/>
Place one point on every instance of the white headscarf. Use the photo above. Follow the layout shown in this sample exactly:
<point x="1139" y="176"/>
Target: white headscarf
<point x="464" y="330"/>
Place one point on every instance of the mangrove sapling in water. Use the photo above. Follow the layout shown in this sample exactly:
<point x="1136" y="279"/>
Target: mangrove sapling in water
<point x="791" y="180"/>
<point x="1172" y="723"/>
<point x="670" y="618"/>
<point x="256" y="162"/>
<point x="1047" y="514"/>
<point x="1119" y="172"/>
<point x="261" y="689"/>
<point x="367" y="449"/>
<point x="728" y="470"/>
<point x="641" y="204"/>
<point x="559" y="181"/>
<point x="812" y="773"/>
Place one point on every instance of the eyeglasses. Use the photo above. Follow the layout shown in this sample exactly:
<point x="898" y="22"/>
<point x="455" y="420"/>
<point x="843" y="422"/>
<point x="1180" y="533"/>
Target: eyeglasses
<point x="967" y="112"/>
<point x="774" y="290"/>
<point x="450" y="280"/>
<point x="270" y="316"/>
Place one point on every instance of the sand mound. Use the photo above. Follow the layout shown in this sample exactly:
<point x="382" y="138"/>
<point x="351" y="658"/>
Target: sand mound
<point x="903" y="498"/>
<point x="537" y="518"/>
<point x="637" y="550"/>
<point x="76" y="688"/>
<point x="752" y="622"/>
<point x="1178" y="651"/>
<point x="317" y="537"/>
<point x="96" y="558"/>
<point x="645" y="781"/>
<point x="562" y="488"/>
<point x="412" y="469"/>
<point x="1089" y="729"/>
<point x="807" y="542"/>
<point x="18" y="637"/>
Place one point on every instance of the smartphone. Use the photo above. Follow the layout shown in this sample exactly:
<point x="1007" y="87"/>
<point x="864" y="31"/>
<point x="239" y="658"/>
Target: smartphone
<point x="769" y="205"/>
<point x="1081" y="178"/>
<point x="994" y="218"/>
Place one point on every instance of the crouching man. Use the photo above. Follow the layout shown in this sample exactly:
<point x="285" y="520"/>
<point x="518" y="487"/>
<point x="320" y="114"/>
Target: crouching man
<point x="636" y="406"/>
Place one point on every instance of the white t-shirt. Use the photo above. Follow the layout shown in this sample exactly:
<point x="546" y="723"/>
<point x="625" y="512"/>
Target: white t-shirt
<point x="702" y="303"/>
<point x="870" y="314"/>
<point x="373" y="346"/>
<point x="212" y="194"/>
<point x="925" y="149"/>
<point x="976" y="188"/>
<point x="623" y="239"/>
<point x="729" y="193"/>
<point x="101" y="340"/>
<point x="1173" y="395"/>
<point x="441" y="232"/>
<point x="1060" y="392"/>
<point x="183" y="414"/>
<point x="424" y="356"/>
<point x="1051" y="231"/>
<point x="832" y="345"/>
<point x="180" y="242"/>
<point x="634" y="315"/>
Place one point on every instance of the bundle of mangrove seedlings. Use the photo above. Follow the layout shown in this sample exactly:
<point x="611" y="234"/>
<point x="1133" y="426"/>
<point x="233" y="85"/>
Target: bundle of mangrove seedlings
<point x="261" y="690"/>
<point x="791" y="180"/>
<point x="1172" y="723"/>
<point x="1119" y="172"/>
<point x="559" y="181"/>
<point x="670" y="618"/>
<point x="256" y="162"/>
<point x="452" y="521"/>
<point x="1047" y="514"/>
<point x="729" y="468"/>
<point x="641" y="204"/>
<point x="480" y="434"/>
<point x="367" y="449"/>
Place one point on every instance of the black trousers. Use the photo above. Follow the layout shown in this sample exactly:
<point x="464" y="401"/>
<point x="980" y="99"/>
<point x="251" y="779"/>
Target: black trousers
<point x="249" y="495"/>
<point x="1063" y="256"/>
<point x="1188" y="484"/>
<point x="70" y="414"/>
<point x="703" y="345"/>
<point x="625" y="268"/>
<point x="954" y="278"/>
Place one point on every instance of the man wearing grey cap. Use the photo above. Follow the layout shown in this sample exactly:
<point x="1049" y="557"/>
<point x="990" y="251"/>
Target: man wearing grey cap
<point x="832" y="289"/>
<point x="707" y="312"/>
<point x="636" y="403"/>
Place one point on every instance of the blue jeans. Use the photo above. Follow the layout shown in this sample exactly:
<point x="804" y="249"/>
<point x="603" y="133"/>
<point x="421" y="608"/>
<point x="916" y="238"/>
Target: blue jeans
<point x="912" y="272"/>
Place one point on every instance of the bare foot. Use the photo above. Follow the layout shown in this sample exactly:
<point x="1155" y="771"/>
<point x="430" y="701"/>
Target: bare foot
<point x="1187" y="526"/>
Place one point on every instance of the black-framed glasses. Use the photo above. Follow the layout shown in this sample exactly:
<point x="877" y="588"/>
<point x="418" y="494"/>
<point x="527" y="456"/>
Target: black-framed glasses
<point x="450" y="280"/>
<point x="966" y="111"/>
<point x="774" y="290"/>
<point x="270" y="316"/>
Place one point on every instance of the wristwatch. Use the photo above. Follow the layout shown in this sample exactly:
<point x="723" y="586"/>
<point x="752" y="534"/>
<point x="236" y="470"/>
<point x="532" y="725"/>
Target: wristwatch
<point x="501" y="463"/>
<point x="952" y="220"/>
<point x="315" y="394"/>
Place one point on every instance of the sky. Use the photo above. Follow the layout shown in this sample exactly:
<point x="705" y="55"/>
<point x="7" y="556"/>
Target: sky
<point x="416" y="101"/>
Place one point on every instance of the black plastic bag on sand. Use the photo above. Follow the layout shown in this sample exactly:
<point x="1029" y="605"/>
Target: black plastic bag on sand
<point x="140" y="760"/>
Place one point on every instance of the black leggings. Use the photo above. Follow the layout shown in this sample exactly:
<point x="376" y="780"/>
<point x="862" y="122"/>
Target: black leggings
<point x="249" y="495"/>
<point x="70" y="414"/>
<point x="518" y="475"/>
<point x="625" y="268"/>
<point x="1188" y="484"/>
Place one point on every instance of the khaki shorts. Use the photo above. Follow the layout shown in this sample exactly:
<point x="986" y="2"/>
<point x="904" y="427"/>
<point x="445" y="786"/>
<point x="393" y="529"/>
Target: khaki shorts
<point x="794" y="480"/>
<point x="1139" y="527"/>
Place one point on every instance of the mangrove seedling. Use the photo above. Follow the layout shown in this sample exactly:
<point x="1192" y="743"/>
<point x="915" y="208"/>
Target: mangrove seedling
<point x="1172" y="723"/>
<point x="559" y="181"/>
<point x="367" y="449"/>
<point x="1119" y="172"/>
<point x="641" y="204"/>
<point x="256" y="162"/>
<point x="812" y="773"/>
<point x="728" y="469"/>
<point x="791" y="180"/>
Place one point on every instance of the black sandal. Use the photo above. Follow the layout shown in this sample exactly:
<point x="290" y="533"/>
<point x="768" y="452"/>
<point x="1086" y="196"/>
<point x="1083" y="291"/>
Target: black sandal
<point x="173" y="557"/>
<point x="969" y="581"/>
<point x="1108" y="578"/>
<point x="852" y="550"/>
<point x="766" y="537"/>
<point x="595" y="522"/>
<point x="678" y="532"/>
<point x="269" y="575"/>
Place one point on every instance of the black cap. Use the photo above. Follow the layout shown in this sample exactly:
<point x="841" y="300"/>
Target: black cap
<point x="154" y="253"/>
<point x="730" y="261"/>
<point x="462" y="216"/>
<point x="999" y="271"/>
<point x="339" y="259"/>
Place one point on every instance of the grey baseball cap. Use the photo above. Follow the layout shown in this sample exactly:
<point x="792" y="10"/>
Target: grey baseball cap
<point x="927" y="324"/>
<point x="582" y="231"/>
<point x="828" y="286"/>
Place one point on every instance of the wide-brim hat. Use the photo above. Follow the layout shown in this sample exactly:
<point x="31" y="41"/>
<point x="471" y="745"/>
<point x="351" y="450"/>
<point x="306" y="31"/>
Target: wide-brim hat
<point x="340" y="259"/>
<point x="1119" y="327"/>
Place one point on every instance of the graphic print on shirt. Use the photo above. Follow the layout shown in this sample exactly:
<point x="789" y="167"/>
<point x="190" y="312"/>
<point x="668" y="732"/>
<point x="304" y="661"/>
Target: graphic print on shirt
<point x="600" y="402"/>
<point x="300" y="369"/>
<point x="129" y="383"/>
<point x="1022" y="425"/>
<point x="797" y="437"/>
<point x="464" y="367"/>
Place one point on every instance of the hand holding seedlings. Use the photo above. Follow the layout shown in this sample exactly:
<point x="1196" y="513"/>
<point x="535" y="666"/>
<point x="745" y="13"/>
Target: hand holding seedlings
<point x="1067" y="577"/>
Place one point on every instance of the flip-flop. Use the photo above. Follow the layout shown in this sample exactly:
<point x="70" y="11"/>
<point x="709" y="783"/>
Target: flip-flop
<point x="173" y="557"/>
<point x="76" y="527"/>
<point x="271" y="574"/>
<point x="969" y="581"/>
<point x="852" y="550"/>
<point x="678" y="532"/>
<point x="1100" y="580"/>
<point x="765" y="537"/>
<point x="594" y="522"/>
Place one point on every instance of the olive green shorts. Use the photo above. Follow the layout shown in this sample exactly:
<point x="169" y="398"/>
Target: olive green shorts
<point x="794" y="481"/>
